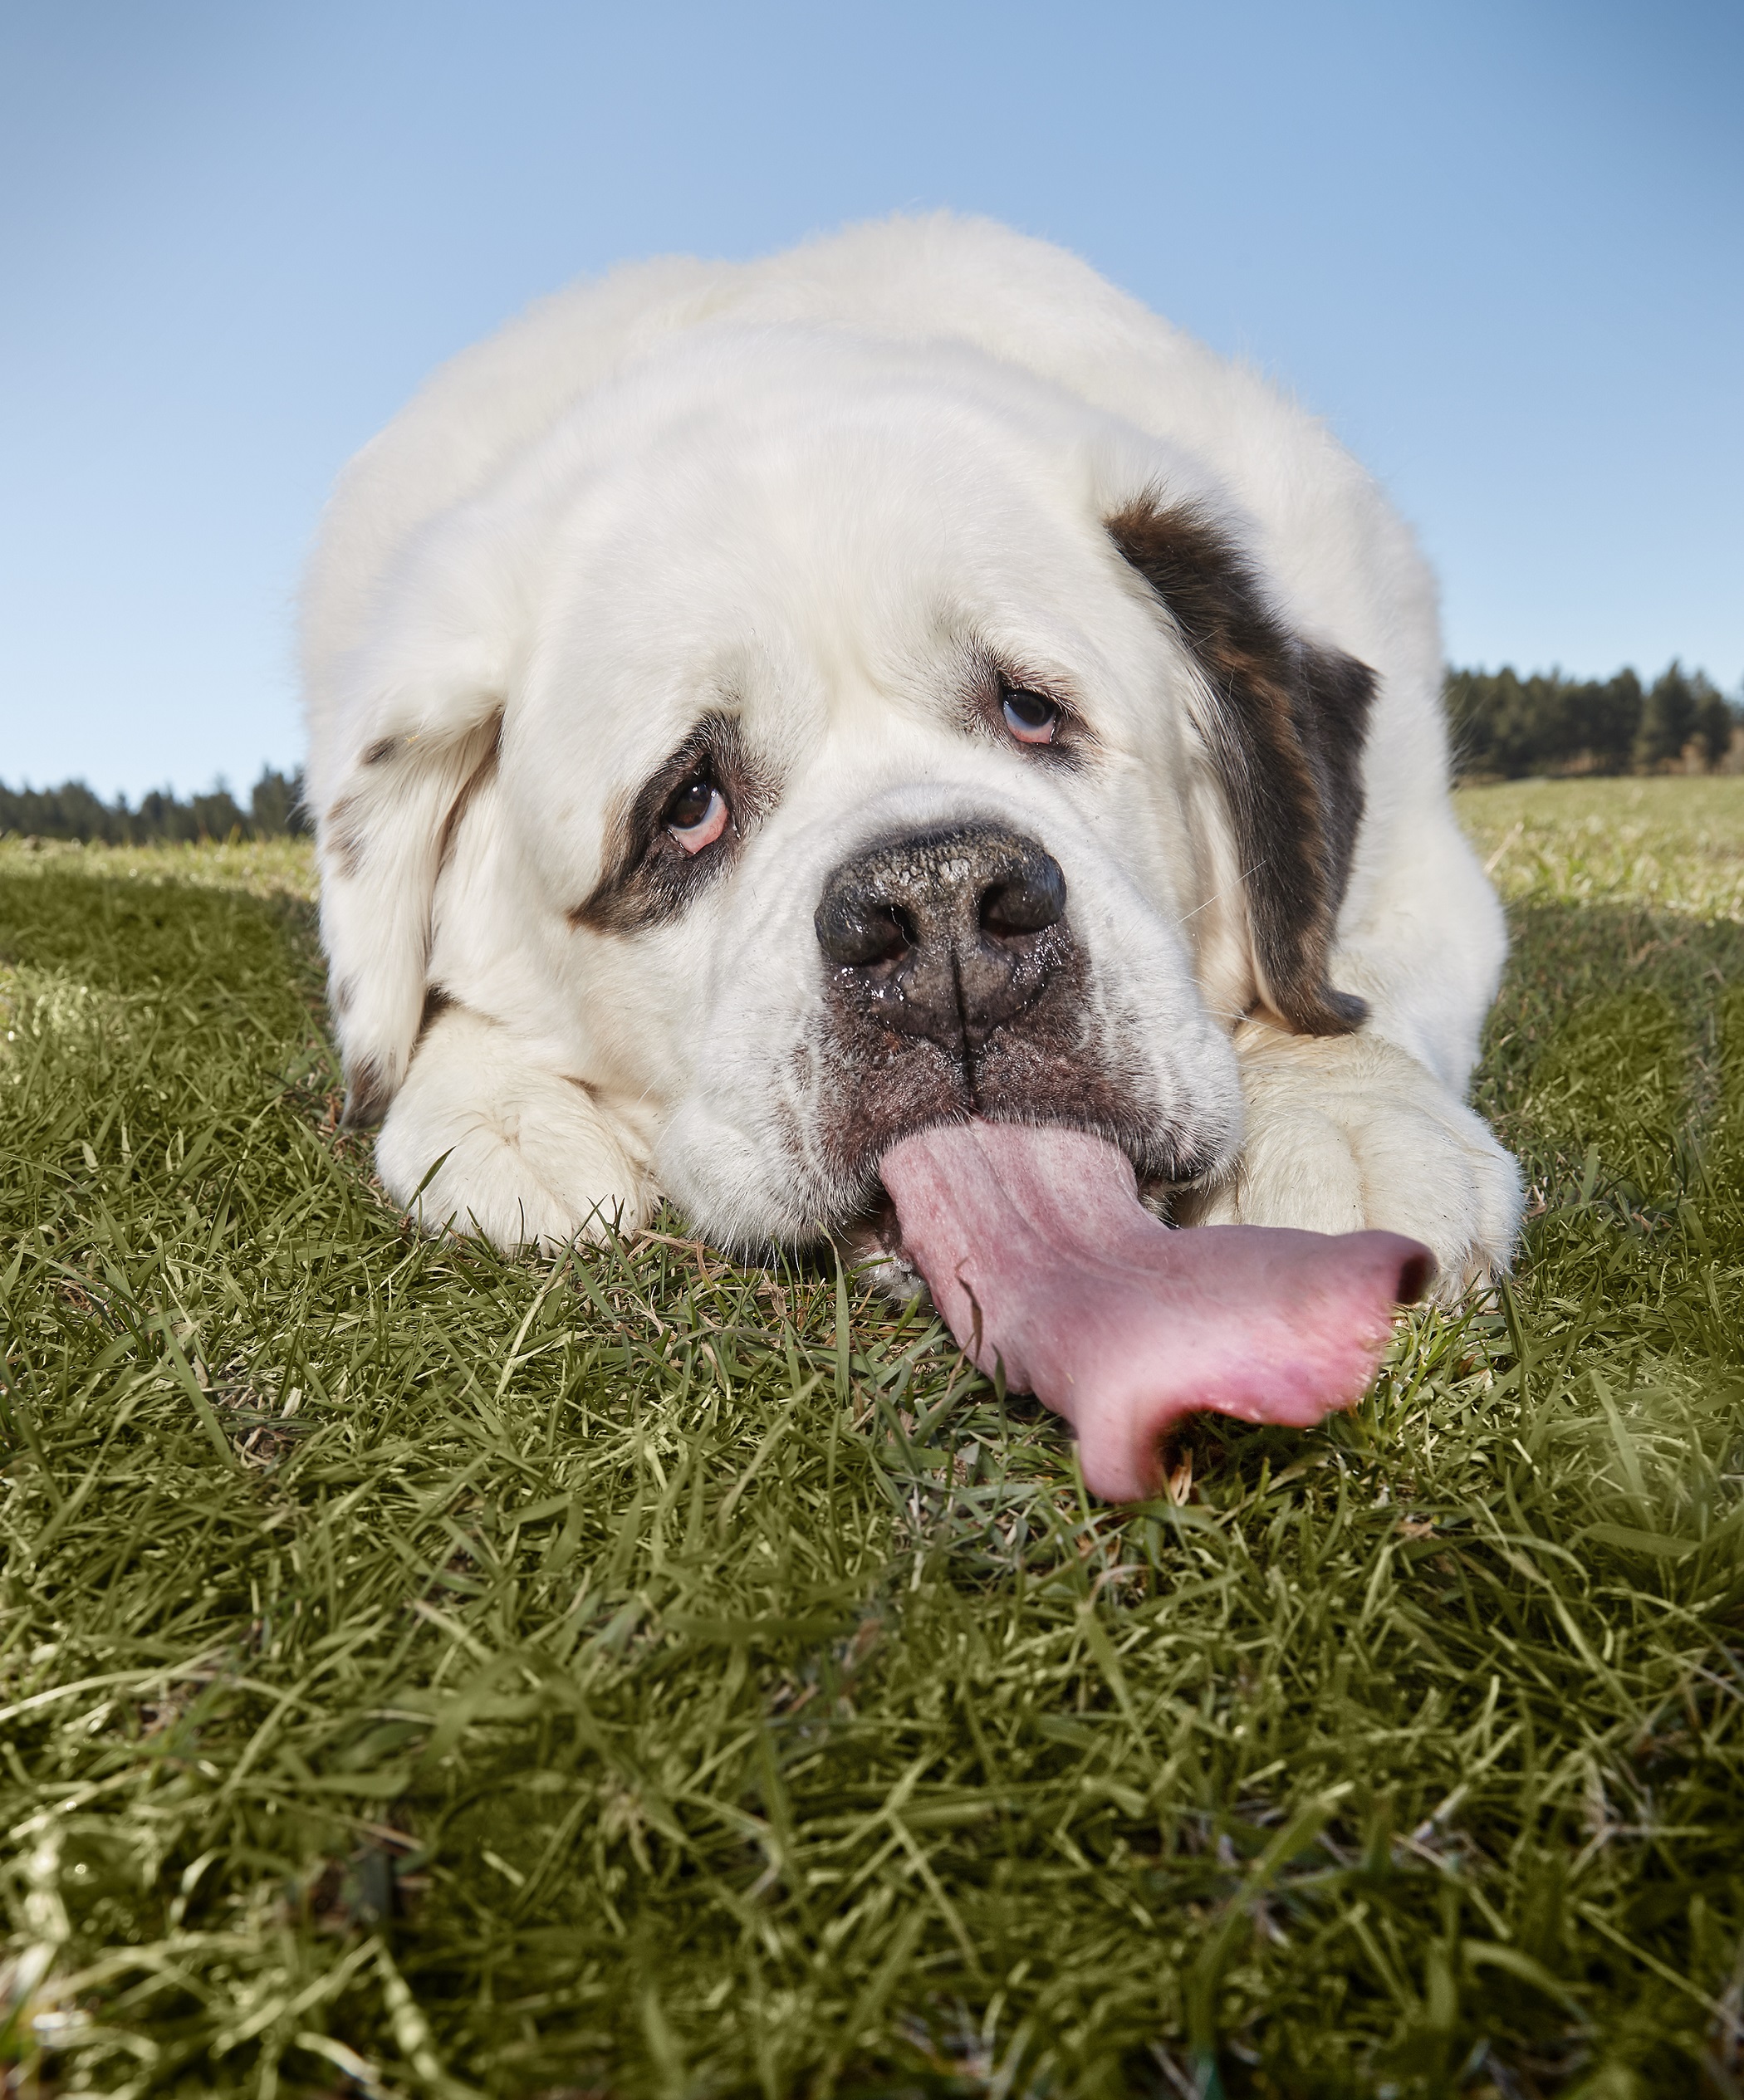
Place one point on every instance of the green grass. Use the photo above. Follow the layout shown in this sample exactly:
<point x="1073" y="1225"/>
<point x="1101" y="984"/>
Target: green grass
<point x="424" y="1673"/>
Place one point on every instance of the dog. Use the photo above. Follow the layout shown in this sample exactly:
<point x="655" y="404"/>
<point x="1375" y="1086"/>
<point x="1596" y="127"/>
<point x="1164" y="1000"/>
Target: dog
<point x="760" y="711"/>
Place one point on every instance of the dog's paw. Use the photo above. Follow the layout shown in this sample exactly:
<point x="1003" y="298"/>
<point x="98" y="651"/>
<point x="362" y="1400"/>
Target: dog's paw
<point x="1349" y="1132"/>
<point x="479" y="1139"/>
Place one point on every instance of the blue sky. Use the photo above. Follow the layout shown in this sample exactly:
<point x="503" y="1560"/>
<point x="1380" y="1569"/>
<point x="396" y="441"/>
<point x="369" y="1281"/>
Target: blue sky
<point x="1501" y="247"/>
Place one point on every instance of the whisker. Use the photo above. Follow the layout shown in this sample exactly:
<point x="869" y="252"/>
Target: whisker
<point x="1183" y="918"/>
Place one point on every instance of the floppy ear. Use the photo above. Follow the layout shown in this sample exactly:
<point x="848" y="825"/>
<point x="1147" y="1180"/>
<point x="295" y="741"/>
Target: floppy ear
<point x="381" y="840"/>
<point x="1285" y="724"/>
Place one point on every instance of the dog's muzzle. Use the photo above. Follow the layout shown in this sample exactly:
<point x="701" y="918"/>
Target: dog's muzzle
<point x="948" y="933"/>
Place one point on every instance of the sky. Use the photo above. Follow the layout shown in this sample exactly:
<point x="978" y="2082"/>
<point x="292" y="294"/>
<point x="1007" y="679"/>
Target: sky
<point x="1499" y="246"/>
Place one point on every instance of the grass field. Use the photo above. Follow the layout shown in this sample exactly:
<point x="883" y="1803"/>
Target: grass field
<point x="423" y="1672"/>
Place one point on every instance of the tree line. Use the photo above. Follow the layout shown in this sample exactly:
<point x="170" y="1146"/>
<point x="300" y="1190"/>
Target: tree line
<point x="1503" y="726"/>
<point x="1507" y="725"/>
<point x="73" y="810"/>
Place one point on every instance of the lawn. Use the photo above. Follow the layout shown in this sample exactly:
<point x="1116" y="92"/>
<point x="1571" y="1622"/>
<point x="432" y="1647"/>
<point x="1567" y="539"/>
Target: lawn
<point x="423" y="1672"/>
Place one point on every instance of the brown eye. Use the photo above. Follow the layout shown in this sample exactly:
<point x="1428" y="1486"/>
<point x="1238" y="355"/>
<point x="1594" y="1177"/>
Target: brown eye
<point x="1032" y="718"/>
<point x="697" y="814"/>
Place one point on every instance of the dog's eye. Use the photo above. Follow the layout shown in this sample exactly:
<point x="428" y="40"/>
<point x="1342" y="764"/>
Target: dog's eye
<point x="697" y="814"/>
<point x="1032" y="718"/>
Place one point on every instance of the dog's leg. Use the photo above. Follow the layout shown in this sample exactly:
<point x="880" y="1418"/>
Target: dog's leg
<point x="1346" y="1133"/>
<point x="526" y="1156"/>
<point x="1371" y="1129"/>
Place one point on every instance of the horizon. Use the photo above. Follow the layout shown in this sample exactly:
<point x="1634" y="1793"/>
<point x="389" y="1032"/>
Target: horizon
<point x="290" y="774"/>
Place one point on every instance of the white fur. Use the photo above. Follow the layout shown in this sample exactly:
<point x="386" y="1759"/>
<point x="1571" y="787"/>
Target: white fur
<point x="801" y="489"/>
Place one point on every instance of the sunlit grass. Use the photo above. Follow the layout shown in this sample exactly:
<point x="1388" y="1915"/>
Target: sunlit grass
<point x="423" y="1671"/>
<point x="255" y="867"/>
<point x="1668" y="845"/>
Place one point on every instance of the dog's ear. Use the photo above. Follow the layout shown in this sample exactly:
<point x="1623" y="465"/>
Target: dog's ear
<point x="383" y="831"/>
<point x="1285" y="721"/>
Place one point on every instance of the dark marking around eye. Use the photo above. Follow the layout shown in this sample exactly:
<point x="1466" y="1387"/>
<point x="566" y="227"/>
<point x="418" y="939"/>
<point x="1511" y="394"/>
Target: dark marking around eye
<point x="651" y="873"/>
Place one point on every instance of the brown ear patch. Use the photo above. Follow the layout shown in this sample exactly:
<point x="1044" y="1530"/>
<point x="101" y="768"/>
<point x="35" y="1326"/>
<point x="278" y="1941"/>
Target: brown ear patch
<point x="1287" y="727"/>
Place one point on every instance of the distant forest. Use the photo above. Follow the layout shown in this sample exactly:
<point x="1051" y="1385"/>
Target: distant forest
<point x="73" y="811"/>
<point x="1504" y="726"/>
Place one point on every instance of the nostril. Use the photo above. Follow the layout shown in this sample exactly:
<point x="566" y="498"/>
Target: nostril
<point x="896" y="934"/>
<point x="1025" y="902"/>
<point x="858" y="932"/>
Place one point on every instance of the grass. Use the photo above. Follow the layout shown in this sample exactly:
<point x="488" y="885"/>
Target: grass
<point x="423" y="1672"/>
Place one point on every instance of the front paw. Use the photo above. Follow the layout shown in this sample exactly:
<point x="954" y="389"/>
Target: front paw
<point x="1348" y="1133"/>
<point x="478" y="1140"/>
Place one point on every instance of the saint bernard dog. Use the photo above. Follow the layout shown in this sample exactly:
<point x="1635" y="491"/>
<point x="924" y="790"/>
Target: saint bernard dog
<point x="763" y="713"/>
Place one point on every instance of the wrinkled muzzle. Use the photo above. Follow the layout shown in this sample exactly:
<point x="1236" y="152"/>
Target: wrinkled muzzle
<point x="958" y="960"/>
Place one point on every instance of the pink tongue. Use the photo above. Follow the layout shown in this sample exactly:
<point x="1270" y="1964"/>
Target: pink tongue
<point x="1039" y="1253"/>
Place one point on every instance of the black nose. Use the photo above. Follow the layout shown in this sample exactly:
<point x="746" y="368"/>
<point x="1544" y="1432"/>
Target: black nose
<point x="949" y="932"/>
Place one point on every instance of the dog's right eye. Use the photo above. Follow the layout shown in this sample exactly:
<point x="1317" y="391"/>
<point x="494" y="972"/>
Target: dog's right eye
<point x="697" y="814"/>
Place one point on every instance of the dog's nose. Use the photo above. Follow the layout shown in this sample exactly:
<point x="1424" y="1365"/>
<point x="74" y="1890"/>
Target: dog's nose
<point x="950" y="931"/>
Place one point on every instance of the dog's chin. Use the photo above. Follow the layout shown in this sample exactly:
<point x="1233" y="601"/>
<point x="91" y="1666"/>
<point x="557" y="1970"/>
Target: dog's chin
<point x="871" y="1244"/>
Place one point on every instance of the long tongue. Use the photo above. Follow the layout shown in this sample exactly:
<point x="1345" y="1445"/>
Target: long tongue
<point x="1039" y="1255"/>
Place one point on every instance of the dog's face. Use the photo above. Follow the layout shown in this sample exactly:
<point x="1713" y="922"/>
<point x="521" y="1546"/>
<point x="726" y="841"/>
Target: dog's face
<point x="877" y="747"/>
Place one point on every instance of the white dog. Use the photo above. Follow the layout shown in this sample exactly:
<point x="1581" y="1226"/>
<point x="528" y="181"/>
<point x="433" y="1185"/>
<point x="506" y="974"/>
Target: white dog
<point x="760" y="711"/>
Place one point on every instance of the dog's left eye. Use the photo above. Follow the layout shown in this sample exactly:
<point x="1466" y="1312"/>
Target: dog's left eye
<point x="697" y="814"/>
<point x="1032" y="718"/>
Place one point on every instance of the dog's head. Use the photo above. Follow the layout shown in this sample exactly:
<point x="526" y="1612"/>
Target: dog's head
<point x="818" y="739"/>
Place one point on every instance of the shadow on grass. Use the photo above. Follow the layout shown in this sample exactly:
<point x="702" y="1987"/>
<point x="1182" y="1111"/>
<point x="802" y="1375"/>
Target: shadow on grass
<point x="134" y="938"/>
<point x="1615" y="1052"/>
